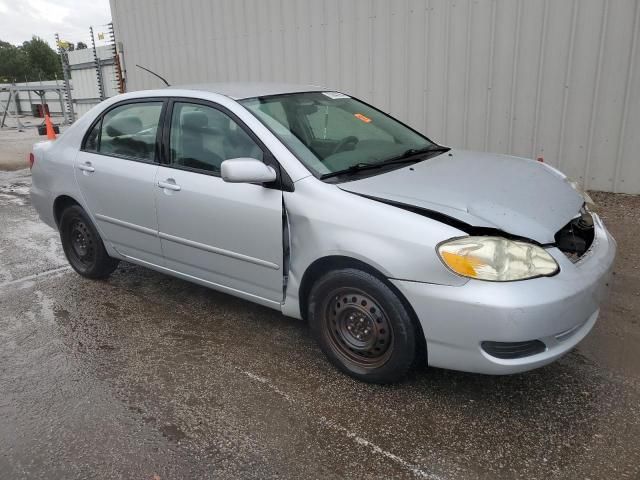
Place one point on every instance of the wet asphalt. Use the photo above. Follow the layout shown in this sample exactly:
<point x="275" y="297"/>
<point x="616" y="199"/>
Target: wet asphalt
<point x="145" y="376"/>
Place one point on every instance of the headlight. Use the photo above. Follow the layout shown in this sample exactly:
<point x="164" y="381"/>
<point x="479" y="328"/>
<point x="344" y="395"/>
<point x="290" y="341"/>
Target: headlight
<point x="497" y="259"/>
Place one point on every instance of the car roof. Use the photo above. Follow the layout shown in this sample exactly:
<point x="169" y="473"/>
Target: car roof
<point x="242" y="90"/>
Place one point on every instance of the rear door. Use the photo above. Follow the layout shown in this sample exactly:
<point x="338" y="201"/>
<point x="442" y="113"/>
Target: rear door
<point x="229" y="235"/>
<point x="115" y="171"/>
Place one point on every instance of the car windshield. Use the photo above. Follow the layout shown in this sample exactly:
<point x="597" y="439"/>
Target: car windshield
<point x="332" y="133"/>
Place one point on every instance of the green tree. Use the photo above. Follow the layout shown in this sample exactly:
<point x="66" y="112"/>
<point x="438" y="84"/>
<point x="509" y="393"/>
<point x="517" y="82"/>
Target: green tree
<point x="44" y="62"/>
<point x="33" y="60"/>
<point x="14" y="64"/>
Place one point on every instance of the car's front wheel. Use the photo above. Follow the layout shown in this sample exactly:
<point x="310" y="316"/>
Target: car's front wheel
<point x="362" y="326"/>
<point x="83" y="246"/>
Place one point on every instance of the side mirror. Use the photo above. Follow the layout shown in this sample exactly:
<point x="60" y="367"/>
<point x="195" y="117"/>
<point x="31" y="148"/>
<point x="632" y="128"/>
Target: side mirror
<point x="246" y="170"/>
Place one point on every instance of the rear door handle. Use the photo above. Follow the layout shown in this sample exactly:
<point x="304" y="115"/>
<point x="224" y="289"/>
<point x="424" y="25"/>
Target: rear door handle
<point x="169" y="184"/>
<point x="86" y="167"/>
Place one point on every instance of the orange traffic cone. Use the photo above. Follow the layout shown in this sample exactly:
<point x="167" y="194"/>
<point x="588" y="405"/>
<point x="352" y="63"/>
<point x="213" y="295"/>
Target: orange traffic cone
<point x="51" y="135"/>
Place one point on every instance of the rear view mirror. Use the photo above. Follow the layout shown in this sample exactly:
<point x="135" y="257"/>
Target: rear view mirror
<point x="246" y="170"/>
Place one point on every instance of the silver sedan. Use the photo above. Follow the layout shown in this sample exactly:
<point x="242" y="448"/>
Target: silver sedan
<point x="396" y="250"/>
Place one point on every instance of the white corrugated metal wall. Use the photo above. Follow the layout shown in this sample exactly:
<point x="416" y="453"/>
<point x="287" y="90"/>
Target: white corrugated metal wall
<point x="552" y="78"/>
<point x="85" y="91"/>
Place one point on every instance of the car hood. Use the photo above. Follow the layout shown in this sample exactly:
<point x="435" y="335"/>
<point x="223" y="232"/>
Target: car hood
<point x="518" y="196"/>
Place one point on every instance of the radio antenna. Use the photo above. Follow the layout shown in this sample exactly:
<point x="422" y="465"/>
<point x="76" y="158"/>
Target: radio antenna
<point x="154" y="73"/>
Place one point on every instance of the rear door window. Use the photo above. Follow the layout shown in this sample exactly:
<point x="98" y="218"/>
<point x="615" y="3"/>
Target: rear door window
<point x="128" y="131"/>
<point x="92" y="139"/>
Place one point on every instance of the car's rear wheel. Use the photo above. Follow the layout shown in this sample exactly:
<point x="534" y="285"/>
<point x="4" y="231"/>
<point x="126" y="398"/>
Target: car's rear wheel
<point x="83" y="246"/>
<point x="362" y="326"/>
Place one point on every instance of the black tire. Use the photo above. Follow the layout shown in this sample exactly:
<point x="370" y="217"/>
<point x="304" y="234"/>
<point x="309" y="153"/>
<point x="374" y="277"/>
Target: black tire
<point x="371" y="336"/>
<point x="83" y="246"/>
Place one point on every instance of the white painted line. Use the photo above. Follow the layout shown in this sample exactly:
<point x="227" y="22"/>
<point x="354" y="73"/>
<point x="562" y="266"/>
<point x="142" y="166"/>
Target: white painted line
<point x="417" y="471"/>
<point x="266" y="382"/>
<point x="36" y="276"/>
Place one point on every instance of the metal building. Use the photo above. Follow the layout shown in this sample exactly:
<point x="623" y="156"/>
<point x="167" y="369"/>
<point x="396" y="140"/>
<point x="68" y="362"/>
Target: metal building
<point x="86" y="90"/>
<point x="535" y="78"/>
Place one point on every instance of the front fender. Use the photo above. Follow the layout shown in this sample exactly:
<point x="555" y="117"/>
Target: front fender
<point x="325" y="221"/>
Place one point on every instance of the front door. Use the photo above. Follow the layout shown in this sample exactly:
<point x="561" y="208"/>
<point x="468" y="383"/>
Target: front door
<point x="115" y="171"/>
<point x="229" y="235"/>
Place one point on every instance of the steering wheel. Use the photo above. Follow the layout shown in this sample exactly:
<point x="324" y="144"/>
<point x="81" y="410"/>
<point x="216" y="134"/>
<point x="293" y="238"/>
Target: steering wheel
<point x="342" y="144"/>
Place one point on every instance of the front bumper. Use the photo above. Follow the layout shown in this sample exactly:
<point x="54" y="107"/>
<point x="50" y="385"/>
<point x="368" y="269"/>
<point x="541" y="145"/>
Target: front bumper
<point x="559" y="311"/>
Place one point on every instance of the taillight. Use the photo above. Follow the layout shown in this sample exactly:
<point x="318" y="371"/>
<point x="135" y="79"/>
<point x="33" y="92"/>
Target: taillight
<point x="32" y="160"/>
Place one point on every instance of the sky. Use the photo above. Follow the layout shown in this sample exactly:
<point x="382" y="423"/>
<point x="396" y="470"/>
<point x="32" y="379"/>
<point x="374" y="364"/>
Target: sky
<point x="21" y="19"/>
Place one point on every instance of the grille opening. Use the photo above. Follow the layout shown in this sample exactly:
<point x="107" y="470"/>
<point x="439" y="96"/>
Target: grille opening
<point x="512" y="350"/>
<point x="576" y="237"/>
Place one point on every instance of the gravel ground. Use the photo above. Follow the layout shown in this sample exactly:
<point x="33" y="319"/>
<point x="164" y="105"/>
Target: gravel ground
<point x="144" y="375"/>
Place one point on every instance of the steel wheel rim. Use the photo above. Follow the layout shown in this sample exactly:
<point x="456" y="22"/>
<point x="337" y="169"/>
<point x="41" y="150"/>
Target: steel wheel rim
<point x="82" y="243"/>
<point x="358" y="328"/>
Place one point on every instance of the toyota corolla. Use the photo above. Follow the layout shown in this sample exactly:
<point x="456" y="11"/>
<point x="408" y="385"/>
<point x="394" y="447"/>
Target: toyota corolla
<point x="395" y="249"/>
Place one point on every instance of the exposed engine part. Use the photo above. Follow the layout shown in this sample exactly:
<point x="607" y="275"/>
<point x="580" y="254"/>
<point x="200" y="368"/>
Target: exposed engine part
<point x="576" y="237"/>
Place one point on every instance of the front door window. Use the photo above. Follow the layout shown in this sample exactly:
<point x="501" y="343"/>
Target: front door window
<point x="203" y="137"/>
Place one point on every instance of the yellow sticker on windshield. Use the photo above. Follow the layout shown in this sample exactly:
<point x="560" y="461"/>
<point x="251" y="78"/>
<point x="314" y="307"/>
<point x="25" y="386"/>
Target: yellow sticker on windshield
<point x="360" y="116"/>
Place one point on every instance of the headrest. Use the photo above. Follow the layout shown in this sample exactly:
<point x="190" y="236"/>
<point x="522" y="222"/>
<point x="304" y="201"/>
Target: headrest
<point x="219" y="122"/>
<point x="124" y="126"/>
<point x="194" y="120"/>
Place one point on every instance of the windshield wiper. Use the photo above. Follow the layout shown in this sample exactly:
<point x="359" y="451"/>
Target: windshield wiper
<point x="358" y="167"/>
<point x="407" y="157"/>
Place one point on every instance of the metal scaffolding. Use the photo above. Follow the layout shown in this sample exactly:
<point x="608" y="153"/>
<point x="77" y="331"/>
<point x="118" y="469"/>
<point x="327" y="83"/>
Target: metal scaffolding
<point x="120" y="85"/>
<point x="69" y="116"/>
<point x="98" y="66"/>
<point x="40" y="90"/>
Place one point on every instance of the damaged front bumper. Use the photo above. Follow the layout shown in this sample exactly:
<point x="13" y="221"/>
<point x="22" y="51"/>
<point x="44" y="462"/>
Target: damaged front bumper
<point x="515" y="317"/>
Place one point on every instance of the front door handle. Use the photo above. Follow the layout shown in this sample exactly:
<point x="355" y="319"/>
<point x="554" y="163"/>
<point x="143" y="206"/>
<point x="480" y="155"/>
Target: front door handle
<point x="169" y="184"/>
<point x="86" y="167"/>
